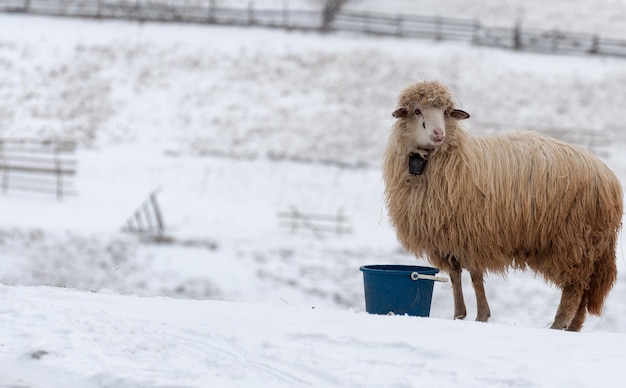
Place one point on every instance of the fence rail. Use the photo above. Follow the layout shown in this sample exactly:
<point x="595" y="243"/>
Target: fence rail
<point x="33" y="166"/>
<point x="331" y="18"/>
<point x="413" y="26"/>
<point x="165" y="12"/>
<point x="318" y="224"/>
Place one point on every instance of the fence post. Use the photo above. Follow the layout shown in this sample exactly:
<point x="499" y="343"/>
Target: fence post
<point x="138" y="220"/>
<point x="555" y="41"/>
<point x="137" y="11"/>
<point x="285" y="15"/>
<point x="366" y="22"/>
<point x="148" y="216"/>
<point x="339" y="225"/>
<point x="517" y="36"/>
<point x="330" y="9"/>
<point x="476" y="32"/>
<point x="399" y="21"/>
<point x="438" y="32"/>
<point x="250" y="13"/>
<point x="157" y="212"/>
<point x="294" y="219"/>
<point x="58" y="168"/>
<point x="595" y="45"/>
<point x="326" y="18"/>
<point x="5" y="168"/>
<point x="211" y="12"/>
<point x="5" y="178"/>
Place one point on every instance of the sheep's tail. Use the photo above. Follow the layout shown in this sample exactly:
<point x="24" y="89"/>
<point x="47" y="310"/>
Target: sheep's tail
<point x="603" y="278"/>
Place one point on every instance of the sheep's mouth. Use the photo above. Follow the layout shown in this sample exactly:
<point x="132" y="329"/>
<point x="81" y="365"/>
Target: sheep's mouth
<point x="436" y="139"/>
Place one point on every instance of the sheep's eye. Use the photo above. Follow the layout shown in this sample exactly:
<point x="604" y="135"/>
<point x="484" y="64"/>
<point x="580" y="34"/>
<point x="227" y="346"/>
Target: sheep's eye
<point x="418" y="112"/>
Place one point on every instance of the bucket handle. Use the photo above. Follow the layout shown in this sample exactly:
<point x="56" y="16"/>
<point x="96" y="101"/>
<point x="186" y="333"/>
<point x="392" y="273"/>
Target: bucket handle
<point x="417" y="276"/>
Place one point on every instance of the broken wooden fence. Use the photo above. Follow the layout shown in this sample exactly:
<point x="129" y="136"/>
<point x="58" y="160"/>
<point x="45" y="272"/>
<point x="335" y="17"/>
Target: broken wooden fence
<point x="147" y="218"/>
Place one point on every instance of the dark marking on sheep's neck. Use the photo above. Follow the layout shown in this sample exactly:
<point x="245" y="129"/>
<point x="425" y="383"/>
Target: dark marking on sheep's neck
<point x="417" y="163"/>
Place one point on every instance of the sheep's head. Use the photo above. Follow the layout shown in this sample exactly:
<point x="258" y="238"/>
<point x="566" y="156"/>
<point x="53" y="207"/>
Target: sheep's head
<point x="423" y="112"/>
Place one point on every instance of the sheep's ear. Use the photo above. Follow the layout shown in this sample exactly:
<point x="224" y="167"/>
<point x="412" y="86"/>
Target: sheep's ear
<point x="400" y="113"/>
<point x="459" y="114"/>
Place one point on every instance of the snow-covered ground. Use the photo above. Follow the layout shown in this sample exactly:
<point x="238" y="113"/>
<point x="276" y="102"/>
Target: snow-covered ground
<point x="235" y="125"/>
<point x="64" y="338"/>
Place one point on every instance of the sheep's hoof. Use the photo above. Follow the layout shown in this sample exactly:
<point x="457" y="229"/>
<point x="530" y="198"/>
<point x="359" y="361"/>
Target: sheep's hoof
<point x="560" y="326"/>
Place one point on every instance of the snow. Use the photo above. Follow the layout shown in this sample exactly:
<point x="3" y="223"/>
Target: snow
<point x="76" y="339"/>
<point x="233" y="125"/>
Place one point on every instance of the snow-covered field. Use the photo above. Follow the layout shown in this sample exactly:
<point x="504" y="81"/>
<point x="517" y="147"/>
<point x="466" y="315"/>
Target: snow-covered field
<point x="235" y="125"/>
<point x="63" y="338"/>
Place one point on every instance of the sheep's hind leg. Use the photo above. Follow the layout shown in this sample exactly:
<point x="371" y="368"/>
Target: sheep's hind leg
<point x="569" y="308"/>
<point x="460" y="311"/>
<point x="579" y="318"/>
<point x="482" y="307"/>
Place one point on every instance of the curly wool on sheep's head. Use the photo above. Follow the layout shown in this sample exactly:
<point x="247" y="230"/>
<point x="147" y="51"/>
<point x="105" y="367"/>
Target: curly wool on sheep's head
<point x="427" y="119"/>
<point x="427" y="93"/>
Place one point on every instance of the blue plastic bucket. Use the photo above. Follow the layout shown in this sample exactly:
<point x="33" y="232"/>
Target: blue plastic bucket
<point x="397" y="289"/>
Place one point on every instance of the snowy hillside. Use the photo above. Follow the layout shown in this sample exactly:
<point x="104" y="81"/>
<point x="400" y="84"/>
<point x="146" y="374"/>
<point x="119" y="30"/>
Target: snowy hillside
<point x="235" y="125"/>
<point x="198" y="90"/>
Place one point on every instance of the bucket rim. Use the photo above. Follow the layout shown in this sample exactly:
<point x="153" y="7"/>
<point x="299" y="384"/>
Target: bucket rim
<point x="398" y="269"/>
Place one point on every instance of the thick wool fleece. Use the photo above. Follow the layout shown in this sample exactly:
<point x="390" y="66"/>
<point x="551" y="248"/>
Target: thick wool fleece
<point x="520" y="200"/>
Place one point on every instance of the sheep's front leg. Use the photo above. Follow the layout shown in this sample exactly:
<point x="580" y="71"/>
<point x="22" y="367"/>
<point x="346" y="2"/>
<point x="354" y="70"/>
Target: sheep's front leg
<point x="457" y="290"/>
<point x="482" y="307"/>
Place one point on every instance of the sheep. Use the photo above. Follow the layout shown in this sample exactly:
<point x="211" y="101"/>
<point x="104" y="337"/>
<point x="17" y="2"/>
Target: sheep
<point x="489" y="203"/>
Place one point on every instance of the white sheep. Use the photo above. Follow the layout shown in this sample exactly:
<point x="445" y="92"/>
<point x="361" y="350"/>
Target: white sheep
<point x="486" y="204"/>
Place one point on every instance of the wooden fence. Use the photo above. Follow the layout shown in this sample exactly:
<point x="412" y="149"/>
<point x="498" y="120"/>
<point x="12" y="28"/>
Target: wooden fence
<point x="516" y="37"/>
<point x="147" y="218"/>
<point x="330" y="18"/>
<point x="318" y="224"/>
<point x="42" y="167"/>
<point x="204" y="12"/>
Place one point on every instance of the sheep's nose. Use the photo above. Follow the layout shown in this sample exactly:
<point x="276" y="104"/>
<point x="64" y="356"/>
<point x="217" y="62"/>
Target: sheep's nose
<point x="437" y="135"/>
